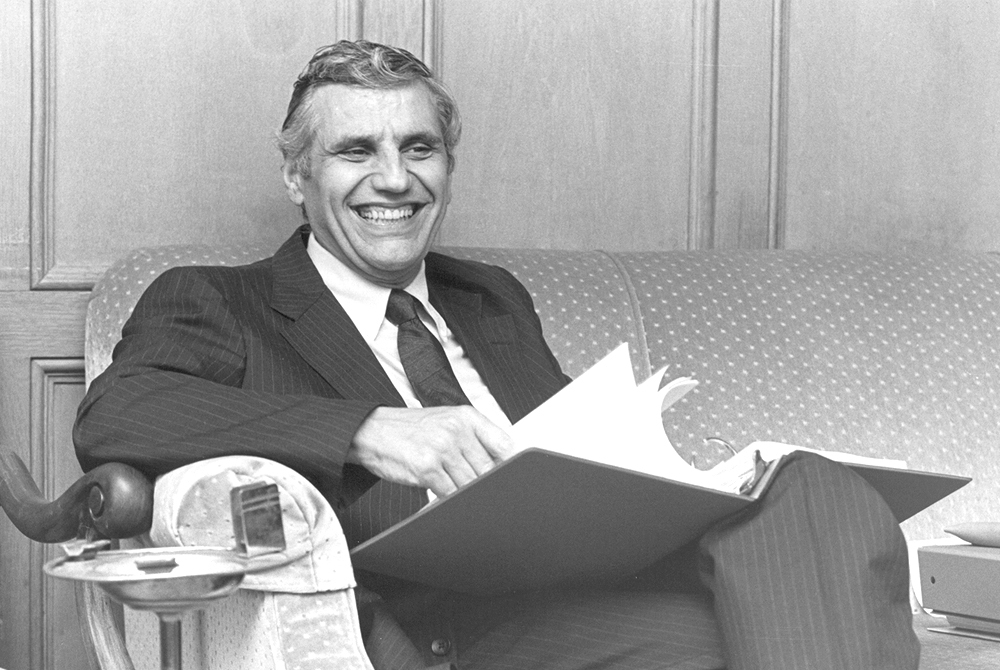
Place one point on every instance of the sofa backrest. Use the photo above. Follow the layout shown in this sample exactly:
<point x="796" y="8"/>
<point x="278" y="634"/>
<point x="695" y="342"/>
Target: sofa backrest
<point x="881" y="355"/>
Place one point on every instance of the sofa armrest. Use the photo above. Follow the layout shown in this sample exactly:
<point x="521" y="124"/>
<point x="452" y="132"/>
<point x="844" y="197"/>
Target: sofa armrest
<point x="299" y="610"/>
<point x="114" y="499"/>
<point x="191" y="507"/>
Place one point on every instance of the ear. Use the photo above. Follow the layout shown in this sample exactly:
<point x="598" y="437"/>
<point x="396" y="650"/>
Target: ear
<point x="293" y="183"/>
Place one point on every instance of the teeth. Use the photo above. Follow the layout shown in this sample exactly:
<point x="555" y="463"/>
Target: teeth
<point x="385" y="213"/>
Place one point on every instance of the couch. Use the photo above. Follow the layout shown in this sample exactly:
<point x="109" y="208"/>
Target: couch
<point x="891" y="355"/>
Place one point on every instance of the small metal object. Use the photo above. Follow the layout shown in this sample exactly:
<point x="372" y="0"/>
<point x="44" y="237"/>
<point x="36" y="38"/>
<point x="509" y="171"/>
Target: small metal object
<point x="724" y="443"/>
<point x="172" y="580"/>
<point x="167" y="580"/>
<point x="152" y="566"/>
<point x="257" y="522"/>
<point x="441" y="646"/>
<point x="163" y="579"/>
<point x="83" y="550"/>
<point x="759" y="468"/>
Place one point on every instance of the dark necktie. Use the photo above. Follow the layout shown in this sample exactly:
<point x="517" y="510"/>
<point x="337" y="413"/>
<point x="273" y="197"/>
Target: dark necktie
<point x="433" y="383"/>
<point x="424" y="361"/>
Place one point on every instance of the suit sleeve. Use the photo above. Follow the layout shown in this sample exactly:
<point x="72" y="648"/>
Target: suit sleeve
<point x="173" y="395"/>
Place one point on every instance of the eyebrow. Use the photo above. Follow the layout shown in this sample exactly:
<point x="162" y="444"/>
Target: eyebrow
<point x="349" y="141"/>
<point x="418" y="137"/>
<point x="423" y="137"/>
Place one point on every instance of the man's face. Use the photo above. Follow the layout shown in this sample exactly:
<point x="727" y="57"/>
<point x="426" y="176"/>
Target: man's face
<point x="380" y="180"/>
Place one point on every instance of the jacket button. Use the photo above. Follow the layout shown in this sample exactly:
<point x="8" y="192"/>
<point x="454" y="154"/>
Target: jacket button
<point x="441" y="646"/>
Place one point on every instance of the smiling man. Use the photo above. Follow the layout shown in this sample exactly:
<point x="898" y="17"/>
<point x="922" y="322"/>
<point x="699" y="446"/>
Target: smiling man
<point x="374" y="183"/>
<point x="378" y="180"/>
<point x="380" y="369"/>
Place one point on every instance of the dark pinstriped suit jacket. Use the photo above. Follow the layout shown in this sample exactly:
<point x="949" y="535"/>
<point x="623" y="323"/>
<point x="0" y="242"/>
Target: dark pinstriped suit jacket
<point x="262" y="360"/>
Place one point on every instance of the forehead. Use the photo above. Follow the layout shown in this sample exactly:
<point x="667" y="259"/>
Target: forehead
<point x="348" y="111"/>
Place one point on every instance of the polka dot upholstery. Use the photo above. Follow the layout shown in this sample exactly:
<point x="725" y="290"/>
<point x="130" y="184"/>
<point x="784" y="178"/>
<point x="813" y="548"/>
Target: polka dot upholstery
<point x="115" y="294"/>
<point x="890" y="356"/>
<point x="882" y="355"/>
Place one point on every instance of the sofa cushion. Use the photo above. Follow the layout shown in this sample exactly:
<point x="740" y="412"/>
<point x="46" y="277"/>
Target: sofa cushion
<point x="877" y="354"/>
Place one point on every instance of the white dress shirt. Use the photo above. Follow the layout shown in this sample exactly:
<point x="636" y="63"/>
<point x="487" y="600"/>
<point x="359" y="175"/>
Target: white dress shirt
<point x="365" y="304"/>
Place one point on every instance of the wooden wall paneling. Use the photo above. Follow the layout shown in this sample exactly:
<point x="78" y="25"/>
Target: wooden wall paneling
<point x="57" y="387"/>
<point x="17" y="600"/>
<point x="15" y="143"/>
<point x="154" y="125"/>
<point x="41" y="366"/>
<point x="350" y="21"/>
<point x="42" y="163"/>
<point x="733" y="160"/>
<point x="749" y="68"/>
<point x="704" y="116"/>
<point x="577" y="122"/>
<point x="408" y="24"/>
<point x="778" y="140"/>
<point x="893" y="138"/>
<point x="433" y="43"/>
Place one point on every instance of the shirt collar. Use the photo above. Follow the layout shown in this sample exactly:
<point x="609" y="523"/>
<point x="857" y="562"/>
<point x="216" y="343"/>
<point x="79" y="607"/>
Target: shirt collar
<point x="364" y="301"/>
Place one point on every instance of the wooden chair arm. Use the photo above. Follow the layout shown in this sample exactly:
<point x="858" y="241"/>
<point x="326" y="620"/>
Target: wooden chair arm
<point x="113" y="499"/>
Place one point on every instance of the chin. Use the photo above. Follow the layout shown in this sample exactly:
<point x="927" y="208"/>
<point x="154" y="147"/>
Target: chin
<point x="397" y="271"/>
<point x="398" y="256"/>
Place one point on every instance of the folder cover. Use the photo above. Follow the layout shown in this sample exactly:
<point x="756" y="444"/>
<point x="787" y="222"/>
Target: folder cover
<point x="543" y="519"/>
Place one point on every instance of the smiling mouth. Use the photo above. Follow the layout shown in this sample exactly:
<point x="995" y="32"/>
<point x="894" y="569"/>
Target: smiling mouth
<point x="385" y="214"/>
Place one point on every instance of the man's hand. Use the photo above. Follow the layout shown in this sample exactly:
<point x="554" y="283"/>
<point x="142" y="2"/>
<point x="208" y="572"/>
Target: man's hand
<point x="440" y="448"/>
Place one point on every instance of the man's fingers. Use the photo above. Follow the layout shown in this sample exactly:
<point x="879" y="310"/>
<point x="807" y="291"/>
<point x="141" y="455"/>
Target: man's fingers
<point x="495" y="441"/>
<point x="442" y="485"/>
<point x="460" y="470"/>
<point x="478" y="459"/>
<point x="439" y="448"/>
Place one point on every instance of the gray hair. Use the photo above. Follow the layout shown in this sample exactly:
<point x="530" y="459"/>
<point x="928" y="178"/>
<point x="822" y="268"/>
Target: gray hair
<point x="367" y="65"/>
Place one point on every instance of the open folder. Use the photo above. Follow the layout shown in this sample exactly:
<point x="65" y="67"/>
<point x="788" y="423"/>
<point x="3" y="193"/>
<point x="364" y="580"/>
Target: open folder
<point x="596" y="507"/>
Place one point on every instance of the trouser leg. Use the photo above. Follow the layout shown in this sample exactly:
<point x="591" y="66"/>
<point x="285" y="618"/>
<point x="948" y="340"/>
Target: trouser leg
<point x="587" y="629"/>
<point x="387" y="645"/>
<point x="814" y="576"/>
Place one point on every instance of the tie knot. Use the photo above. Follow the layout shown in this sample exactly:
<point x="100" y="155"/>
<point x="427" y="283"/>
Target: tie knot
<point x="402" y="307"/>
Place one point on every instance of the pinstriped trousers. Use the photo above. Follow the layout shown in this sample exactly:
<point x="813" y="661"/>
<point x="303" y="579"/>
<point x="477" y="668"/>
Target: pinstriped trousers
<point x="812" y="577"/>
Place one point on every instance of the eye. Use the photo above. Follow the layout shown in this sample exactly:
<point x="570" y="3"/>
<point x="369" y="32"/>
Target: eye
<point x="420" y="151"/>
<point x="354" y="154"/>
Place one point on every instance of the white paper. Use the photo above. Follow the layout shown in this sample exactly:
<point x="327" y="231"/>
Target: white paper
<point x="604" y="416"/>
<point x="769" y="451"/>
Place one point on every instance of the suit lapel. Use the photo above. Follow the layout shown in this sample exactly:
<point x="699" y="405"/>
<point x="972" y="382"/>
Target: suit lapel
<point x="322" y="332"/>
<point x="490" y="342"/>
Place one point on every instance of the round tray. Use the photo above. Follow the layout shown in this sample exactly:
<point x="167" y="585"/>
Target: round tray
<point x="164" y="580"/>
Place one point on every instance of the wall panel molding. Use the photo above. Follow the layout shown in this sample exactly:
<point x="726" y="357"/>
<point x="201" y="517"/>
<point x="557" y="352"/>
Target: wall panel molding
<point x="777" y="150"/>
<point x="414" y="25"/>
<point x="42" y="170"/>
<point x="45" y="271"/>
<point x="55" y="387"/>
<point x="81" y="219"/>
<point x="432" y="55"/>
<point x="704" y="116"/>
<point x="350" y="19"/>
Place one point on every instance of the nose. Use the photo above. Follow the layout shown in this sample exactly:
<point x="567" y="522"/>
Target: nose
<point x="391" y="173"/>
